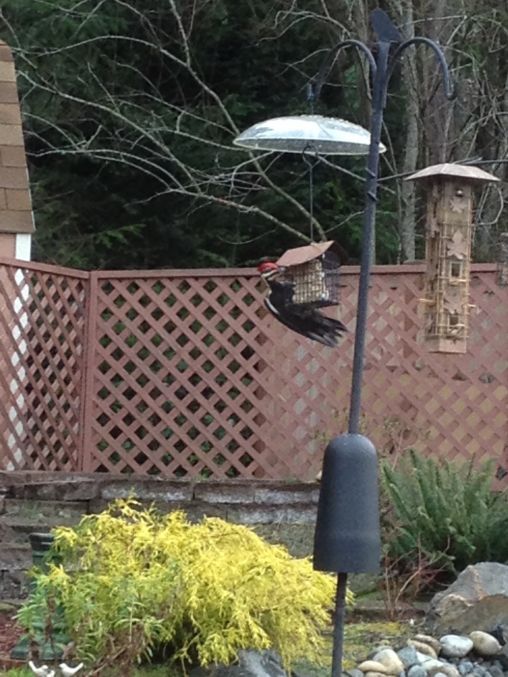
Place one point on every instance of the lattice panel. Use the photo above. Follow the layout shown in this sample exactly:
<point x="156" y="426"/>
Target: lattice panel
<point x="453" y="406"/>
<point x="42" y="318"/>
<point x="183" y="373"/>
<point x="180" y="387"/>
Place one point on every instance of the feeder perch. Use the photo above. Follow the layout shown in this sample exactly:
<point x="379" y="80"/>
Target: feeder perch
<point x="448" y="236"/>
<point x="313" y="271"/>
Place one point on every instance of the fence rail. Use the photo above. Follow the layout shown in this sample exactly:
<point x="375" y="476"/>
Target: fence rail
<point x="181" y="373"/>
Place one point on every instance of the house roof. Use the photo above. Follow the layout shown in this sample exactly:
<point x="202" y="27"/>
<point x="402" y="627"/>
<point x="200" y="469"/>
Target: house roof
<point x="15" y="202"/>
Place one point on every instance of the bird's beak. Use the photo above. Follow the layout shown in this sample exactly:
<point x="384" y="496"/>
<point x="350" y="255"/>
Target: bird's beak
<point x="275" y="272"/>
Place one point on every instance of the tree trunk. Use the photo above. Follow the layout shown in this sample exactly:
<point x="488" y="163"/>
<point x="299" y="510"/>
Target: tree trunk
<point x="410" y="153"/>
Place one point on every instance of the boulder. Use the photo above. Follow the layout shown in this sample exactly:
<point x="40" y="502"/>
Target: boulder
<point x="250" y="664"/>
<point x="477" y="600"/>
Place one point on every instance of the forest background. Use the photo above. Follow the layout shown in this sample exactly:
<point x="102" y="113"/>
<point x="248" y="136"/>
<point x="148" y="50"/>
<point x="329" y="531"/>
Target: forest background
<point x="130" y="108"/>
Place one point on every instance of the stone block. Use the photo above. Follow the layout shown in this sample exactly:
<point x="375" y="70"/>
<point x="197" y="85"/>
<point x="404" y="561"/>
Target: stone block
<point x="66" y="490"/>
<point x="284" y="495"/>
<point x="15" y="556"/>
<point x="270" y="514"/>
<point x="212" y="492"/>
<point x="13" y="585"/>
<point x="197" y="510"/>
<point x="147" y="490"/>
<point x="22" y="508"/>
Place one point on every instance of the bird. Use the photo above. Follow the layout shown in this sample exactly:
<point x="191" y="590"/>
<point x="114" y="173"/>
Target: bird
<point x="67" y="671"/>
<point x="42" y="671"/>
<point x="302" y="318"/>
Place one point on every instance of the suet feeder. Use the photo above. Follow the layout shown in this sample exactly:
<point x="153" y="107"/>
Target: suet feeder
<point x="448" y="236"/>
<point x="313" y="271"/>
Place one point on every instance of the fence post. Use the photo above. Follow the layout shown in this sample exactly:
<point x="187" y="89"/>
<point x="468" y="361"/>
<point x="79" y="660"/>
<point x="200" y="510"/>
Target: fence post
<point x="88" y="375"/>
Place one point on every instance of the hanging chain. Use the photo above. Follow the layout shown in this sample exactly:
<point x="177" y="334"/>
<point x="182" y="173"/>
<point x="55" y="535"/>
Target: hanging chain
<point x="310" y="164"/>
<point x="311" y="98"/>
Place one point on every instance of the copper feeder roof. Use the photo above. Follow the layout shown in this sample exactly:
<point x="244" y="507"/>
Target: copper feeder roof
<point x="299" y="255"/>
<point x="448" y="169"/>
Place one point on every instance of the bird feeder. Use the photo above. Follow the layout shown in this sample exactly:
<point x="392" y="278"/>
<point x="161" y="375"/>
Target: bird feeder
<point x="448" y="236"/>
<point x="313" y="271"/>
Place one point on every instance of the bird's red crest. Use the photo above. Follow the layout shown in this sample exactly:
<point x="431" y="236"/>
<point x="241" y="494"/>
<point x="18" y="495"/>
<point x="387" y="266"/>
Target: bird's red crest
<point x="266" y="266"/>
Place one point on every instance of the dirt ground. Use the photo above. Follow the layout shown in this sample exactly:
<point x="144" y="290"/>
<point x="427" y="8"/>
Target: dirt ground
<point x="10" y="632"/>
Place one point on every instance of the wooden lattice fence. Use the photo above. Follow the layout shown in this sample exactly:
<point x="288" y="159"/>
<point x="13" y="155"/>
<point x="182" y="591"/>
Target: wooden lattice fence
<point x="182" y="373"/>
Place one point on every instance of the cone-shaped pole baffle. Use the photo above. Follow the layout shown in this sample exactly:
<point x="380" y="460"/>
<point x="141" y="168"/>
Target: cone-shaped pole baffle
<point x="347" y="537"/>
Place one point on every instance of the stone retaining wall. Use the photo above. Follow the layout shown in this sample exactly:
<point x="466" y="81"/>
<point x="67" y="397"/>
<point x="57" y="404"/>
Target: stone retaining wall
<point x="37" y="501"/>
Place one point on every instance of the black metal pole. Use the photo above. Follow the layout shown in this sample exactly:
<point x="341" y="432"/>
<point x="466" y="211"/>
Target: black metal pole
<point x="369" y="218"/>
<point x="381" y="61"/>
<point x="338" y="626"/>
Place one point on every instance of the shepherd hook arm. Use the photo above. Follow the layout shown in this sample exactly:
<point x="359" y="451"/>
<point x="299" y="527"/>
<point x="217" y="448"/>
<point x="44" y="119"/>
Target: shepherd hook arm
<point x="448" y="84"/>
<point x="327" y="64"/>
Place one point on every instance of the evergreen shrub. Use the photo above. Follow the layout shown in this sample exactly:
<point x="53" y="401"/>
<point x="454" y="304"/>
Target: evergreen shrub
<point x="130" y="581"/>
<point x="446" y="511"/>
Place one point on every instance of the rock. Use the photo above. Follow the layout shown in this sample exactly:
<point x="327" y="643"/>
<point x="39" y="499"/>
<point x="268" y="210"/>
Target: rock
<point x="477" y="600"/>
<point x="431" y="641"/>
<point x="250" y="664"/>
<point x="465" y="667"/>
<point x="354" y="672"/>
<point x="448" y="670"/>
<point x="423" y="648"/>
<point x="389" y="658"/>
<point x="500" y="632"/>
<point x="422" y="657"/>
<point x="408" y="656"/>
<point x="455" y="645"/>
<point x="431" y="666"/>
<point x="373" y="666"/>
<point x="375" y="674"/>
<point x="485" y="644"/>
<point x="496" y="671"/>
<point x="479" y="671"/>
<point x="416" y="671"/>
<point x="377" y="649"/>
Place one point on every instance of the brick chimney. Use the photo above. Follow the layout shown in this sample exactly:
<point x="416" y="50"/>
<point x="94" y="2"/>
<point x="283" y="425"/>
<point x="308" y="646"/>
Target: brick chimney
<point x="16" y="218"/>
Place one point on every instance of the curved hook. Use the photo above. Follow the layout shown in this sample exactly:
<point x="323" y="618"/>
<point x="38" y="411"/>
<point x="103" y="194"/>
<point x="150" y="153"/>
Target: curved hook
<point x="448" y="84"/>
<point x="330" y="59"/>
<point x="309" y="152"/>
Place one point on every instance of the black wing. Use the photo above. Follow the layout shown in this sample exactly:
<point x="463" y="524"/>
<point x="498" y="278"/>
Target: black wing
<point x="302" y="318"/>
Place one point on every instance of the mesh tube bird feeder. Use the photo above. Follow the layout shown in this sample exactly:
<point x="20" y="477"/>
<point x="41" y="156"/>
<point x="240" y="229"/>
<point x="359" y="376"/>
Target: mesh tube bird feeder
<point x="313" y="271"/>
<point x="448" y="237"/>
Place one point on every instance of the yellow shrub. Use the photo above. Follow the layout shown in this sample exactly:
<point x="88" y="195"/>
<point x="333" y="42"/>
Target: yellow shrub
<point x="132" y="580"/>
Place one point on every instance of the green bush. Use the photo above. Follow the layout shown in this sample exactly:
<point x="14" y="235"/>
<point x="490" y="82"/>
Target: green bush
<point x="445" y="511"/>
<point x="132" y="581"/>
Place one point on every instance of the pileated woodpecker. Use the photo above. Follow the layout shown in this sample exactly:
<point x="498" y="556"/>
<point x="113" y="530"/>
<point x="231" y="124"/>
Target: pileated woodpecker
<point x="302" y="318"/>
